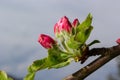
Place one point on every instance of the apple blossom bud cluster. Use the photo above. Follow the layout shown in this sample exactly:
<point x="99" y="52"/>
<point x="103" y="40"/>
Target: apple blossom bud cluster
<point x="62" y="25"/>
<point x="70" y="37"/>
<point x="69" y="44"/>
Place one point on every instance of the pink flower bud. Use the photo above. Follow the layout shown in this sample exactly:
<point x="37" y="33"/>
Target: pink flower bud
<point x="75" y="22"/>
<point x="46" y="41"/>
<point x="118" y="41"/>
<point x="62" y="25"/>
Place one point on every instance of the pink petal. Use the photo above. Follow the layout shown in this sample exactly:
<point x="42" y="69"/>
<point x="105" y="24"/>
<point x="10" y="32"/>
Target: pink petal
<point x="118" y="41"/>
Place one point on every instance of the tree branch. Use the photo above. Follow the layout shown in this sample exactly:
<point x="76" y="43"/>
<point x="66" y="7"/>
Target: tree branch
<point x="107" y="54"/>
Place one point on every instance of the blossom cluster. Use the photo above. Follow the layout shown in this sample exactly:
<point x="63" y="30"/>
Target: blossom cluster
<point x="68" y="45"/>
<point x="70" y="37"/>
<point x="63" y="25"/>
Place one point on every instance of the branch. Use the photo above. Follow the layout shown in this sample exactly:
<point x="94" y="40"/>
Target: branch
<point x="107" y="54"/>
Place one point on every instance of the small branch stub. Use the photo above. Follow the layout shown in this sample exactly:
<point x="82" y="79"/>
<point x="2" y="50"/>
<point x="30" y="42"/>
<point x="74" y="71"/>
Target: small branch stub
<point x="107" y="55"/>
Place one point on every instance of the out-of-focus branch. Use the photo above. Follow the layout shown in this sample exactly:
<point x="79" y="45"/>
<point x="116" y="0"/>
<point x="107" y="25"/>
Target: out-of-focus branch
<point x="107" y="54"/>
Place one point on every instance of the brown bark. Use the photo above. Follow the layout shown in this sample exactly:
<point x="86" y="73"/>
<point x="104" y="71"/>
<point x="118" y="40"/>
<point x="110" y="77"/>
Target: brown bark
<point x="107" y="54"/>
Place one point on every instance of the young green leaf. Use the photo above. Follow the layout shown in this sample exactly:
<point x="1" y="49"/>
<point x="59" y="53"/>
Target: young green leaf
<point x="87" y="32"/>
<point x="72" y="43"/>
<point x="30" y="76"/>
<point x="10" y="78"/>
<point x="80" y="37"/>
<point x="38" y="65"/>
<point x="57" y="58"/>
<point x="85" y="24"/>
<point x="61" y="64"/>
<point x="4" y="76"/>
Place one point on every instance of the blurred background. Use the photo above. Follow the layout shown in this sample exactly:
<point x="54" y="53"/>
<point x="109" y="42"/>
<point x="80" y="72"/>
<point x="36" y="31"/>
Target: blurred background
<point x="21" y="22"/>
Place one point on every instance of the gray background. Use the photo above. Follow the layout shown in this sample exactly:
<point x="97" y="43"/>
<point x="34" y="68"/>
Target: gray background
<point x="21" y="22"/>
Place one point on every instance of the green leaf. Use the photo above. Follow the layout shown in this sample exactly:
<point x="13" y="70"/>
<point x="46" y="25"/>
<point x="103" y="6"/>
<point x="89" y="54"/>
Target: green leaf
<point x="94" y="42"/>
<point x="87" y="32"/>
<point x="84" y="29"/>
<point x="80" y="37"/>
<point x="57" y="58"/>
<point x="53" y="56"/>
<point x="62" y="64"/>
<point x="88" y="20"/>
<point x="71" y="43"/>
<point x="10" y="78"/>
<point x="85" y="24"/>
<point x="38" y="65"/>
<point x="30" y="76"/>
<point x="4" y="76"/>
